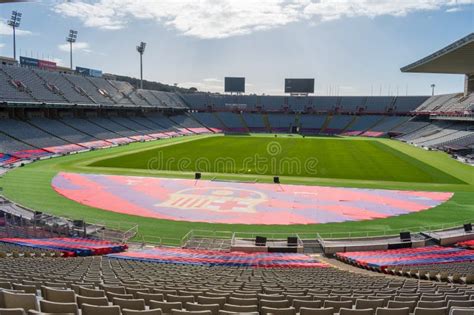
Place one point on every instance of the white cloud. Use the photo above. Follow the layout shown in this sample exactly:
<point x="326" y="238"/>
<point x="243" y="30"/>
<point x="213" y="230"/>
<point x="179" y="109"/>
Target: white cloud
<point x="78" y="46"/>
<point x="2" y="45"/>
<point x="215" y="80"/>
<point x="204" y="86"/>
<point x="225" y="18"/>
<point x="454" y="10"/>
<point x="330" y="10"/>
<point x="7" y="30"/>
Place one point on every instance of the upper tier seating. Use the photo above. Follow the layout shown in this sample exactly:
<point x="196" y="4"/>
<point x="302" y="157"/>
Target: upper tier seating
<point x="130" y="95"/>
<point x="353" y="103"/>
<point x="378" y="104"/>
<point x="405" y="104"/>
<point x="8" y="92"/>
<point x="67" y="89"/>
<point x="35" y="85"/>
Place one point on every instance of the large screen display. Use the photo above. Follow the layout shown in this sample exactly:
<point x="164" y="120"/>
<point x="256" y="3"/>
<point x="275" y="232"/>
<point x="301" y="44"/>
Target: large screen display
<point x="234" y="84"/>
<point x="299" y="85"/>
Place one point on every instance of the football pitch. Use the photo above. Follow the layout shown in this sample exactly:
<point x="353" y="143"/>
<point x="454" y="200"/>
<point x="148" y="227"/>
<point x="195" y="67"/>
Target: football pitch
<point x="339" y="158"/>
<point x="323" y="161"/>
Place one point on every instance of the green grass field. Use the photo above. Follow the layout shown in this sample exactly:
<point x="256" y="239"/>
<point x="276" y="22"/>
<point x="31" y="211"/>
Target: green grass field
<point x="341" y="158"/>
<point x="387" y="164"/>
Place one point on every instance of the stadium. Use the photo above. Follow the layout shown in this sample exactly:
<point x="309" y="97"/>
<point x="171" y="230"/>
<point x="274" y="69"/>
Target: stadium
<point x="120" y="195"/>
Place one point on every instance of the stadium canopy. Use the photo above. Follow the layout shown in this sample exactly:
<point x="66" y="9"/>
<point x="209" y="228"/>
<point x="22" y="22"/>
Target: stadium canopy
<point x="457" y="58"/>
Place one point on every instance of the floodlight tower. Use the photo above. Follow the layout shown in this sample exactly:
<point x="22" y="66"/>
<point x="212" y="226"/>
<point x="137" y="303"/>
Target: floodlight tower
<point x="433" y="89"/>
<point x="71" y="39"/>
<point x="141" y="51"/>
<point x="14" y="22"/>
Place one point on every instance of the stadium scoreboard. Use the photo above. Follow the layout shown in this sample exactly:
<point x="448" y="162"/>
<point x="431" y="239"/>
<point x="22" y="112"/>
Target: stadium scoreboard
<point x="299" y="86"/>
<point x="234" y="84"/>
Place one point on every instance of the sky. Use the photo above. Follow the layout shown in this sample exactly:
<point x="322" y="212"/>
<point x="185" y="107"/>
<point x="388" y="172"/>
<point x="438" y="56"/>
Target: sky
<point x="350" y="47"/>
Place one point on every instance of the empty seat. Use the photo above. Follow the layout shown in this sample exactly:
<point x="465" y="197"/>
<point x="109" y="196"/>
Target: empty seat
<point x="240" y="308"/>
<point x="317" y="311"/>
<point x="180" y="298"/>
<point x="150" y="296"/>
<point x="431" y="311"/>
<point x="63" y="296"/>
<point x="402" y="304"/>
<point x="88" y="309"/>
<point x="393" y="311"/>
<point x="350" y="311"/>
<point x="462" y="311"/>
<point x="146" y="312"/>
<point x="166" y="307"/>
<point x="214" y="308"/>
<point x="211" y="300"/>
<point x="98" y="301"/>
<point x="91" y="292"/>
<point x="278" y="311"/>
<point x="469" y="303"/>
<point x="239" y="301"/>
<point x="297" y="304"/>
<point x="222" y="312"/>
<point x="12" y="311"/>
<point x="131" y="304"/>
<point x="177" y="312"/>
<point x="58" y="307"/>
<point x="26" y="301"/>
<point x="431" y="304"/>
<point x="112" y="295"/>
<point x="373" y="304"/>
<point x="337" y="305"/>
<point x="274" y="303"/>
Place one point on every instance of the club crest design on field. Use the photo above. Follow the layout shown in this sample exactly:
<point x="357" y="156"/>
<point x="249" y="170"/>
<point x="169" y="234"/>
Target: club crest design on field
<point x="218" y="200"/>
<point x="239" y="203"/>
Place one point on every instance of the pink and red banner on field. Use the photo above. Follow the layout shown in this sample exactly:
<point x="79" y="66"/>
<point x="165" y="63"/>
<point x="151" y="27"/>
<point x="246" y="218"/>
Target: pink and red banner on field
<point x="239" y="203"/>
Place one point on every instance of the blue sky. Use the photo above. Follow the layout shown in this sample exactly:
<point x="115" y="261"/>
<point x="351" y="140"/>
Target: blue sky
<point x="351" y="47"/>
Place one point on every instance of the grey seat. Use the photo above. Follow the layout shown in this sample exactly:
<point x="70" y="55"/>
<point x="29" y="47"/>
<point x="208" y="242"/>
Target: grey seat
<point x="156" y="311"/>
<point x="350" y="311"/>
<point x="392" y="311"/>
<point x="88" y="309"/>
<point x="431" y="311"/>
<point x="317" y="311"/>
<point x="58" y="307"/>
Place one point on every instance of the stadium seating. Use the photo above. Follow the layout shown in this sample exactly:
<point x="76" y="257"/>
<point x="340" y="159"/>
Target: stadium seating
<point x="337" y="124"/>
<point x="281" y="122"/>
<point x="69" y="246"/>
<point x="232" y="121"/>
<point x="114" y="284"/>
<point x="408" y="256"/>
<point x="209" y="120"/>
<point x="255" y="122"/>
<point x="362" y="124"/>
<point x="311" y="124"/>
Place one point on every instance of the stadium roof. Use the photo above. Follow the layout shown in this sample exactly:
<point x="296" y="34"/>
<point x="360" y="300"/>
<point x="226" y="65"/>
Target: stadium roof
<point x="457" y="58"/>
